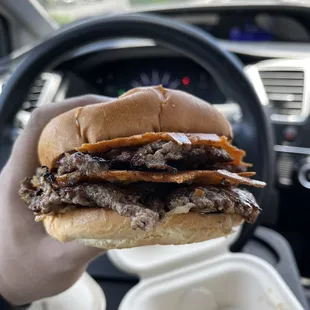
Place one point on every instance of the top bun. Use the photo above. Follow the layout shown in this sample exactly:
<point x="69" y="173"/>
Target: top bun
<point x="140" y="110"/>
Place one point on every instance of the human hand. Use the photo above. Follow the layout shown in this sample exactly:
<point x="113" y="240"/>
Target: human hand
<point x="32" y="264"/>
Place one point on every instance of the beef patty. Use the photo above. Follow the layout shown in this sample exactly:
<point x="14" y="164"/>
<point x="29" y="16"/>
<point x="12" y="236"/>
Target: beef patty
<point x="145" y="203"/>
<point x="158" y="155"/>
<point x="142" y="202"/>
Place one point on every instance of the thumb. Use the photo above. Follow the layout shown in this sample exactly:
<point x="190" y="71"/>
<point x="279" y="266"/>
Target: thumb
<point x="80" y="253"/>
<point x="72" y="255"/>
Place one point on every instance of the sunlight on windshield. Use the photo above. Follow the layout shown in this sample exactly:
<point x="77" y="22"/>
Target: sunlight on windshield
<point x="65" y="11"/>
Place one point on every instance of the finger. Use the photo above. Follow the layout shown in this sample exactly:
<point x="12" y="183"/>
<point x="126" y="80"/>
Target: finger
<point x="43" y="114"/>
<point x="24" y="154"/>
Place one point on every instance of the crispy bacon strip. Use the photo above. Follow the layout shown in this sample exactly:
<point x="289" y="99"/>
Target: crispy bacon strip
<point x="180" y="138"/>
<point x="204" y="177"/>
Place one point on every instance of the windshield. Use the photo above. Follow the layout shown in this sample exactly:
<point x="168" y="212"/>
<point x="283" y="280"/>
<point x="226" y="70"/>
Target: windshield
<point x="66" y="11"/>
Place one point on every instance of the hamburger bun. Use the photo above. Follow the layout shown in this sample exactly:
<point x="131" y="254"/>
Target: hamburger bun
<point x="140" y="110"/>
<point x="107" y="229"/>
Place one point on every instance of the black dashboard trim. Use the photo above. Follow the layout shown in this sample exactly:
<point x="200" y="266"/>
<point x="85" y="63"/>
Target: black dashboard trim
<point x="255" y="50"/>
<point x="232" y="7"/>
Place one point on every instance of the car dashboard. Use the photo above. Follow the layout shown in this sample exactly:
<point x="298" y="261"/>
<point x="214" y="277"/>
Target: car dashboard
<point x="273" y="45"/>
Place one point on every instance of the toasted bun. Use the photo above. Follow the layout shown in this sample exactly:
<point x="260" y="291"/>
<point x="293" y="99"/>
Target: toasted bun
<point x="140" y="110"/>
<point x="108" y="230"/>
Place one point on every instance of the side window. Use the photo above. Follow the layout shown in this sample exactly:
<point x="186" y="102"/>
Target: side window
<point x="5" y="43"/>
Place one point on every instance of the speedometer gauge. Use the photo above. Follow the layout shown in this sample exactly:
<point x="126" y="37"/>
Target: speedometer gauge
<point x="155" y="78"/>
<point x="113" y="79"/>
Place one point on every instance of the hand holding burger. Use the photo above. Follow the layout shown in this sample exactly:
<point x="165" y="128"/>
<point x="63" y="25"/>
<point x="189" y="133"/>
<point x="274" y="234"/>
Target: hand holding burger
<point x="154" y="166"/>
<point x="32" y="264"/>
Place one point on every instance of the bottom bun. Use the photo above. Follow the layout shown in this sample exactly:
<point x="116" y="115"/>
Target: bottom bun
<point x="107" y="229"/>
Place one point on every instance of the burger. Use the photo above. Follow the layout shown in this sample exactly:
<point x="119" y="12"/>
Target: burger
<point x="153" y="166"/>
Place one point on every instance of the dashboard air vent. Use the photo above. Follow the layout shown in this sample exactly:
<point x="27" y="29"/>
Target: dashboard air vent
<point x="32" y="100"/>
<point x="43" y="91"/>
<point x="285" y="90"/>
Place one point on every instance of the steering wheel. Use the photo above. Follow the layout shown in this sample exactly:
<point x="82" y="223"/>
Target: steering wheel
<point x="253" y="131"/>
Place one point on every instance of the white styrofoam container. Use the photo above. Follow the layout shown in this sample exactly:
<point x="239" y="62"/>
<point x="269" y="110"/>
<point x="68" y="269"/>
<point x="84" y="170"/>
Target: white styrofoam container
<point x="202" y="276"/>
<point x="85" y="294"/>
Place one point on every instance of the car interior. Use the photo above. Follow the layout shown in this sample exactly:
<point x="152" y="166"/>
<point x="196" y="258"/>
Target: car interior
<point x="250" y="59"/>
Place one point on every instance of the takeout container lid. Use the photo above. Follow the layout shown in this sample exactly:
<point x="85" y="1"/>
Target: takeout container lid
<point x="84" y="294"/>
<point x="202" y="276"/>
<point x="228" y="282"/>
